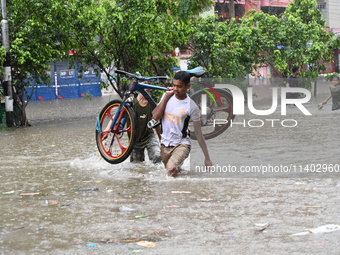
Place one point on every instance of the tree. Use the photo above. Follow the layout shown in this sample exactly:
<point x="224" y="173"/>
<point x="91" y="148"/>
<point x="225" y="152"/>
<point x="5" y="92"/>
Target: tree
<point x="131" y="35"/>
<point x="225" y="49"/>
<point x="297" y="38"/>
<point x="229" y="49"/>
<point x="127" y="34"/>
<point x="232" y="8"/>
<point x="32" y="40"/>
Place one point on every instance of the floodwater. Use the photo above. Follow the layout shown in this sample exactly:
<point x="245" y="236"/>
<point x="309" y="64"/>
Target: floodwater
<point x="59" y="197"/>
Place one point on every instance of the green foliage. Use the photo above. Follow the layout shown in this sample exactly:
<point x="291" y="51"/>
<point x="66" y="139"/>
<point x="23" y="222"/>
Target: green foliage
<point x="32" y="41"/>
<point x="189" y="8"/>
<point x="131" y="35"/>
<point x="224" y="49"/>
<point x="134" y="35"/>
<point x="330" y="76"/>
<point x="233" y="50"/>
<point x="107" y="34"/>
<point x="88" y="96"/>
<point x="156" y="95"/>
<point x="300" y="35"/>
<point x="2" y="58"/>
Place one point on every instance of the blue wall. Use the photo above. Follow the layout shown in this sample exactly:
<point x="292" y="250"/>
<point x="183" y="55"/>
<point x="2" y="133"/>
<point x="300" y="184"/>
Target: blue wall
<point x="66" y="84"/>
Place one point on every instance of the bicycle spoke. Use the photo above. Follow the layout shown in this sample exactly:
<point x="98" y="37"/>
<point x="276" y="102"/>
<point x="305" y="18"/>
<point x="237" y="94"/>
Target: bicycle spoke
<point x="107" y="114"/>
<point x="123" y="149"/>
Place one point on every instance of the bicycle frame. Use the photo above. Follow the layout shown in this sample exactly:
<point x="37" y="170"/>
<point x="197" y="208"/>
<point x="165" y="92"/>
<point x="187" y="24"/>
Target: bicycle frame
<point x="198" y="72"/>
<point x="140" y="87"/>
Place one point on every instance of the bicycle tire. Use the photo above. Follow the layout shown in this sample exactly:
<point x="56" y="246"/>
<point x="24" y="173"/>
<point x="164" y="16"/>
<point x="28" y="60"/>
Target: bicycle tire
<point x="216" y="110"/>
<point x="118" y="145"/>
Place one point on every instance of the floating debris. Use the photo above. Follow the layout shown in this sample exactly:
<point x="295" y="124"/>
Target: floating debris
<point x="129" y="240"/>
<point x="321" y="243"/>
<point x="88" y="190"/>
<point x="126" y="209"/>
<point x="309" y="206"/>
<point x="261" y="224"/>
<point x="29" y="194"/>
<point x="94" y="245"/>
<point x="264" y="227"/>
<point x="8" y="192"/>
<point x="300" y="183"/>
<point x="147" y="244"/>
<point x="141" y="216"/>
<point x="322" y="229"/>
<point x="205" y="199"/>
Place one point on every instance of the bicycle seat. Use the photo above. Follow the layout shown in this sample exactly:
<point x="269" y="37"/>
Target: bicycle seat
<point x="197" y="71"/>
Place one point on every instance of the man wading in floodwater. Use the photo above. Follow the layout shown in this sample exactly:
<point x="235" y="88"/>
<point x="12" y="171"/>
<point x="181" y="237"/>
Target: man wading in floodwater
<point x="293" y="81"/>
<point x="175" y="110"/>
<point x="335" y="94"/>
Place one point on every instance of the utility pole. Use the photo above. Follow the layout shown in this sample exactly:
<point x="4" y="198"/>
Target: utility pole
<point x="7" y="81"/>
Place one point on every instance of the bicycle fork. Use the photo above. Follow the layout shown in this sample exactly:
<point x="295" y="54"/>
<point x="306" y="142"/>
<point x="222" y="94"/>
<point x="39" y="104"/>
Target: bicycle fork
<point x="114" y="128"/>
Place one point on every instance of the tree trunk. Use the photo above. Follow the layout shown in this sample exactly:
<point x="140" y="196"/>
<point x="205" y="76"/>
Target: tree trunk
<point x="232" y="8"/>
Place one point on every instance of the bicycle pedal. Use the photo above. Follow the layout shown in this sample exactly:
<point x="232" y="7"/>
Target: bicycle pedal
<point x="153" y="123"/>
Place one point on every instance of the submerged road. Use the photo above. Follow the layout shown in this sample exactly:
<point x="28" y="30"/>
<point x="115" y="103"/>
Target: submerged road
<point x="59" y="197"/>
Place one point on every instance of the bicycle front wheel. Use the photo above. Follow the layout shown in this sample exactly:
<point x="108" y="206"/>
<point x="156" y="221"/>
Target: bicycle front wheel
<point x="219" y="109"/>
<point x="116" y="145"/>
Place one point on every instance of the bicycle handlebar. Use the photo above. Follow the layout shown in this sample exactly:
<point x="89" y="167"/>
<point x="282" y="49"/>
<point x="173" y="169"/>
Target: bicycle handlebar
<point x="139" y="77"/>
<point x="123" y="72"/>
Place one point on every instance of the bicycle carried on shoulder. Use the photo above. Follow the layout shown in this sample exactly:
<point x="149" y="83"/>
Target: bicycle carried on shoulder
<point x="116" y="125"/>
<point x="219" y="106"/>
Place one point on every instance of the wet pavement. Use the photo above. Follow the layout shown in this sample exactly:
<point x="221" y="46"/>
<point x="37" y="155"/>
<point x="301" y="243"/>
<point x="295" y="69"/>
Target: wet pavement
<point x="59" y="197"/>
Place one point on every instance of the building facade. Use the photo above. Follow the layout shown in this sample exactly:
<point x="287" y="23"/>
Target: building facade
<point x="330" y="11"/>
<point x="242" y="6"/>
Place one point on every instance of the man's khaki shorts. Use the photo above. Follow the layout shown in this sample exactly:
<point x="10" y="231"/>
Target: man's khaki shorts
<point x="174" y="156"/>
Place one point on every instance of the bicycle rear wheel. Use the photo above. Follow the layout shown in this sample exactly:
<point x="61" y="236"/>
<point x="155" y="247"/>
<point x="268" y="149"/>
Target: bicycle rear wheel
<point x="219" y="112"/>
<point x="116" y="145"/>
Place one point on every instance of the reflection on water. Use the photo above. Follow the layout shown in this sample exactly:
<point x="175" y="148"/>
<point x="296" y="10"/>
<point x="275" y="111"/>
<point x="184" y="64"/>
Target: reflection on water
<point x="58" y="195"/>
